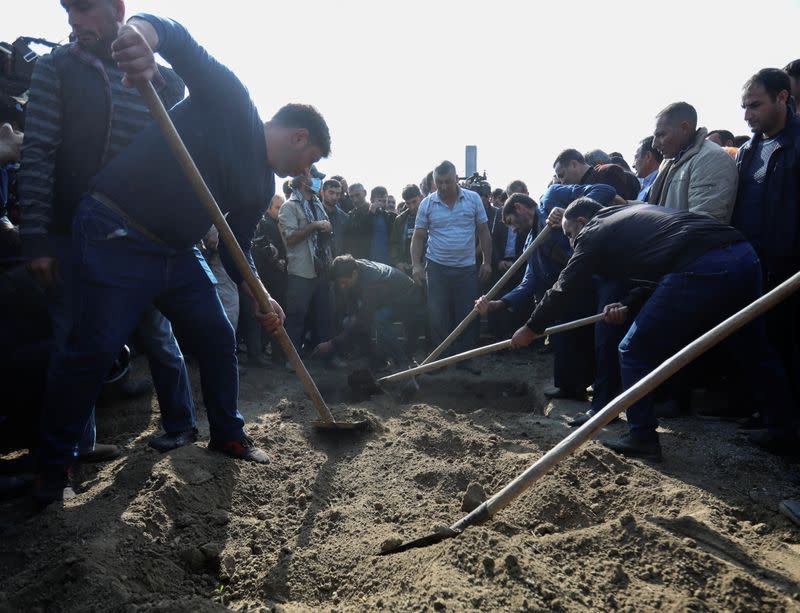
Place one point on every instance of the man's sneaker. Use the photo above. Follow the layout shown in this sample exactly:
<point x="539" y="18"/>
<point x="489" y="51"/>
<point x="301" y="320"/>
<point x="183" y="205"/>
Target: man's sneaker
<point x="774" y="443"/>
<point x="646" y="447"/>
<point x="582" y="418"/>
<point x="53" y="486"/>
<point x="173" y="440"/>
<point x="241" y="449"/>
<point x="100" y="453"/>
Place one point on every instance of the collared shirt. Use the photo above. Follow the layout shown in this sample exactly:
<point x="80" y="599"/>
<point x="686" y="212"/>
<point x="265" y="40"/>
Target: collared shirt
<point x="511" y="245"/>
<point x="646" y="183"/>
<point x="451" y="231"/>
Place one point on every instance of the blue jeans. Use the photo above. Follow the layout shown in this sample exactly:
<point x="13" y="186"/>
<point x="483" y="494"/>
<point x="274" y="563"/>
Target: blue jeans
<point x="153" y="335"/>
<point x="688" y="303"/>
<point x="452" y="292"/>
<point x="119" y="274"/>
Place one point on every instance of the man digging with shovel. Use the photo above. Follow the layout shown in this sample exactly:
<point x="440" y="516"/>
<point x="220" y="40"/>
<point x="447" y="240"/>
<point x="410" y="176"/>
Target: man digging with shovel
<point x="134" y="235"/>
<point x="704" y="271"/>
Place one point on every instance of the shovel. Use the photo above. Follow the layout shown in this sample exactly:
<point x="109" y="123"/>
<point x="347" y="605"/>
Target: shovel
<point x="363" y="381"/>
<point x="521" y="260"/>
<point x="569" y="445"/>
<point x="326" y="421"/>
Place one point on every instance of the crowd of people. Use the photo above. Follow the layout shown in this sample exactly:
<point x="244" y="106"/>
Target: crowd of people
<point x="104" y="245"/>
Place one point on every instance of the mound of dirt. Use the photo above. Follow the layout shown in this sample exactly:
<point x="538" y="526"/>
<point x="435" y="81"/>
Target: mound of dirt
<point x="194" y="531"/>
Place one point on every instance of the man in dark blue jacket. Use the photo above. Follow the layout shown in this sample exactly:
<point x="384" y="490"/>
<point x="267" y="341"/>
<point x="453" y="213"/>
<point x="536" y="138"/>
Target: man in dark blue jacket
<point x="767" y="209"/>
<point x="135" y="234"/>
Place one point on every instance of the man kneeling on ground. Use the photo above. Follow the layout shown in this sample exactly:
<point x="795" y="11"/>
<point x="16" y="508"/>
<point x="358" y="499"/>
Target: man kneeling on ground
<point x="703" y="272"/>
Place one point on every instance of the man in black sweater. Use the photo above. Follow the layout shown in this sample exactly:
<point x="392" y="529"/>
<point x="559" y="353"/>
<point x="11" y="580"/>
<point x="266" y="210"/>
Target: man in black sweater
<point x="702" y="272"/>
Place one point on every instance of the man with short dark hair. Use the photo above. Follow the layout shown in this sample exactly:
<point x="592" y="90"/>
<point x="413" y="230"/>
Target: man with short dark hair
<point x="378" y="295"/>
<point x="695" y="175"/>
<point x="403" y="229"/>
<point x="137" y="228"/>
<point x="80" y="115"/>
<point x="369" y="224"/>
<point x="571" y="169"/>
<point x="767" y="207"/>
<point x="331" y="196"/>
<point x="793" y="70"/>
<point x="499" y="197"/>
<point x="646" y="161"/>
<point x="448" y="219"/>
<point x="723" y="138"/>
<point x="703" y="271"/>
<point x="344" y="201"/>
<point x="517" y="186"/>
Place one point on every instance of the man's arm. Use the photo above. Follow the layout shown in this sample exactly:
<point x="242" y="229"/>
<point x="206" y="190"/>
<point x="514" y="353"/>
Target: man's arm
<point x="485" y="241"/>
<point x="37" y="171"/>
<point x="417" y="247"/>
<point x="712" y="187"/>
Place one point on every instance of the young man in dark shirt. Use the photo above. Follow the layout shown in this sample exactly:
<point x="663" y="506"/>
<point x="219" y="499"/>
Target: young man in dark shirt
<point x="136" y="229"/>
<point x="702" y="271"/>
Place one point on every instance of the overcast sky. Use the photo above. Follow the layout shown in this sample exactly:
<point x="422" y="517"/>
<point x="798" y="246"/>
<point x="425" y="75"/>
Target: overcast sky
<point x="407" y="84"/>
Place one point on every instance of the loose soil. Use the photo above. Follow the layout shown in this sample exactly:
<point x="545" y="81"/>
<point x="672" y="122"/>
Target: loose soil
<point x="194" y="531"/>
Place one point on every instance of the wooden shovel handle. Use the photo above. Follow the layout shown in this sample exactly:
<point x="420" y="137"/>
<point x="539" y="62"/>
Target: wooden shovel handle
<point x="200" y="188"/>
<point x="521" y="260"/>
<point x="486" y="349"/>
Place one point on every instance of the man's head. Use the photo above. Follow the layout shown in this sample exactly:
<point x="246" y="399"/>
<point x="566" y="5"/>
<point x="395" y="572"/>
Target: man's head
<point x="344" y="271"/>
<point x="95" y="23"/>
<point x="358" y="194"/>
<point x="391" y="203"/>
<point x="378" y="197"/>
<point x="723" y="138"/>
<point x="484" y="190"/>
<point x="297" y="137"/>
<point x="10" y="144"/>
<point x="596" y="156"/>
<point x="517" y="187"/>
<point x="302" y="183"/>
<point x="341" y="181"/>
<point x="570" y="166"/>
<point x="499" y="197"/>
<point x="275" y="206"/>
<point x="426" y="186"/>
<point x="577" y="215"/>
<point x="646" y="159"/>
<point x="446" y="180"/>
<point x="764" y="100"/>
<point x="675" y="128"/>
<point x="793" y="70"/>
<point x="519" y="213"/>
<point x="287" y="189"/>
<point x="331" y="193"/>
<point x="412" y="196"/>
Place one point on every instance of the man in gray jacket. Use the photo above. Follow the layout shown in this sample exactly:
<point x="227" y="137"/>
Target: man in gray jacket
<point x="696" y="175"/>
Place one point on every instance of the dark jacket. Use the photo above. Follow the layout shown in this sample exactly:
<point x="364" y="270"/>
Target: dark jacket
<point x="400" y="239"/>
<point x="626" y="183"/>
<point x="358" y="236"/>
<point x="779" y="247"/>
<point x="500" y="235"/>
<point x="339" y="221"/>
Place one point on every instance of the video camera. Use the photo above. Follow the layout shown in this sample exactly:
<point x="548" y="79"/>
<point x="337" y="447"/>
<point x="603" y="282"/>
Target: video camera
<point x="17" y="60"/>
<point x="477" y="183"/>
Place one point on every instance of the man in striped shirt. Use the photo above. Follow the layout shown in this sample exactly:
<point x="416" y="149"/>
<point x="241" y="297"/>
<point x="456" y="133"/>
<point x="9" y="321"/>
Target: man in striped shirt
<point x="80" y="115"/>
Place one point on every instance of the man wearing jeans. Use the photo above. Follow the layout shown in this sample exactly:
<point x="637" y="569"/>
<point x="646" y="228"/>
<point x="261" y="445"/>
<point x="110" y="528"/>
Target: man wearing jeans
<point x="703" y="272"/>
<point x="448" y="219"/>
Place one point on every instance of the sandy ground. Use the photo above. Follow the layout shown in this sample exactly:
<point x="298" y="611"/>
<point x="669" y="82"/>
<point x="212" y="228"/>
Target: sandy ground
<point x="194" y="531"/>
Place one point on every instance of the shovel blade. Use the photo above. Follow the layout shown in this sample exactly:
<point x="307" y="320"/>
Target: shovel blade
<point x="425" y="541"/>
<point x="344" y="426"/>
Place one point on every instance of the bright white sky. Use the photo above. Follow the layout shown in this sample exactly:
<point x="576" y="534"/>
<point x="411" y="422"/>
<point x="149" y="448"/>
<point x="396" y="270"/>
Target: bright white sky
<point x="404" y="85"/>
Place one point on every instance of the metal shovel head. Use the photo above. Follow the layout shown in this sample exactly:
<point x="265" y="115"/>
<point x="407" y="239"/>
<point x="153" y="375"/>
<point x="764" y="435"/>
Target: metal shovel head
<point x="362" y="382"/>
<point x="361" y="425"/>
<point x="442" y="533"/>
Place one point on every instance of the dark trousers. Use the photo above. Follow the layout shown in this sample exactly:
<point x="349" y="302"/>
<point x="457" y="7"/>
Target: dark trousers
<point x="119" y="274"/>
<point x="607" y="380"/>
<point x="309" y="307"/>
<point x="687" y="304"/>
<point x="573" y="351"/>
<point x="410" y="312"/>
<point x="452" y="292"/>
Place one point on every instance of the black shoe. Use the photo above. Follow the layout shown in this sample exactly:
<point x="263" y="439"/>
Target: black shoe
<point x="131" y="388"/>
<point x="468" y="367"/>
<point x="637" y="446"/>
<point x="785" y="445"/>
<point x="100" y="453"/>
<point x="173" y="440"/>
<point x="53" y="486"/>
<point x="582" y="418"/>
<point x="242" y="449"/>
<point x="13" y="486"/>
<point x="555" y="393"/>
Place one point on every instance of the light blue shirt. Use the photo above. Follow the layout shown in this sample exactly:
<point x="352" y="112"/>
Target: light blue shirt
<point x="511" y="245"/>
<point x="451" y="231"/>
<point x="647" y="183"/>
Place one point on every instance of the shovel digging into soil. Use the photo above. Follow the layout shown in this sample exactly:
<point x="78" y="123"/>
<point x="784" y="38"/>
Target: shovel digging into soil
<point x="326" y="421"/>
<point x="362" y="382"/>
<point x="569" y="445"/>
